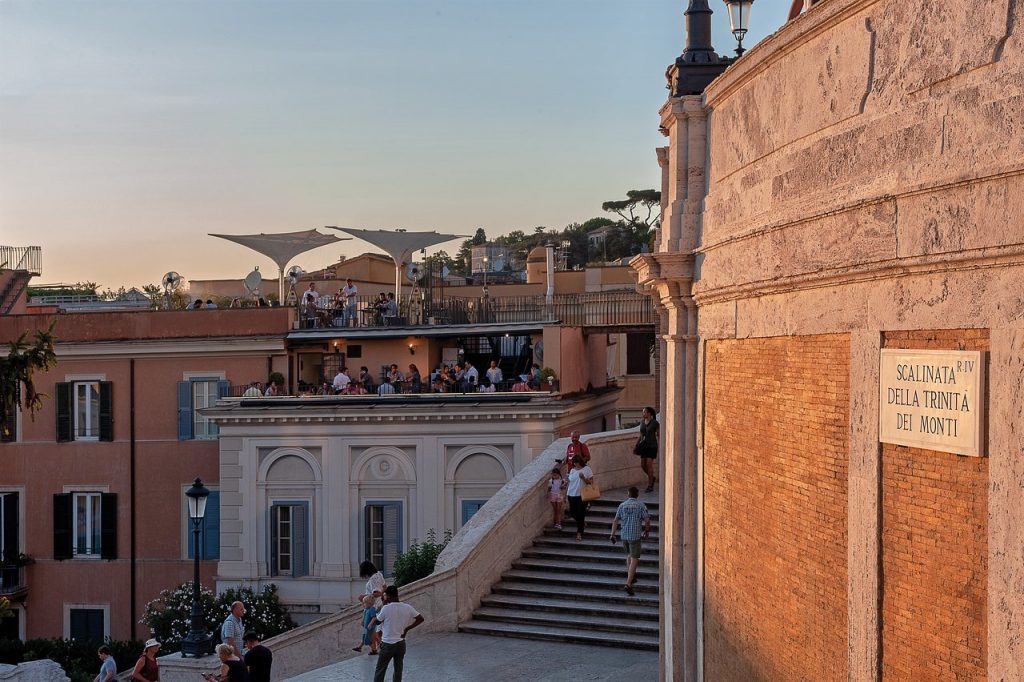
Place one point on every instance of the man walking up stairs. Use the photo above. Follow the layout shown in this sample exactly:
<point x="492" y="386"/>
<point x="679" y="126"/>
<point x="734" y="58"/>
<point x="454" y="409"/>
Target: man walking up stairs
<point x="560" y="589"/>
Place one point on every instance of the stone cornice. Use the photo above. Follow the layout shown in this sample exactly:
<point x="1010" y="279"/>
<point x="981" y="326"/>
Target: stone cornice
<point x="172" y="347"/>
<point x="936" y="264"/>
<point x="679" y="108"/>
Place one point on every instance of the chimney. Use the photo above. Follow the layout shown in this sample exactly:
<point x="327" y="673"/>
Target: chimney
<point x="549" y="253"/>
<point x="699" y="64"/>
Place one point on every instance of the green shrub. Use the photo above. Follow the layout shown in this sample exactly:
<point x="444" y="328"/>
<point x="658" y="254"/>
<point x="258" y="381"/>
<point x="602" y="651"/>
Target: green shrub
<point x="78" y="658"/>
<point x="169" y="615"/>
<point x="418" y="562"/>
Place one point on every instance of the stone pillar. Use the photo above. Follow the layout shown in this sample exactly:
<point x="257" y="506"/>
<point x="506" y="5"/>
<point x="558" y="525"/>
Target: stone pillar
<point x="864" y="510"/>
<point x="1006" y="505"/>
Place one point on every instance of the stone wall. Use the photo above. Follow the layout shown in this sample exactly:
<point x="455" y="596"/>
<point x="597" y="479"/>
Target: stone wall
<point x="858" y="173"/>
<point x="775" y="509"/>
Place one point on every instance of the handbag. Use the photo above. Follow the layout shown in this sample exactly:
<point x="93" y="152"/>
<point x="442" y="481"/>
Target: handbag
<point x="590" y="491"/>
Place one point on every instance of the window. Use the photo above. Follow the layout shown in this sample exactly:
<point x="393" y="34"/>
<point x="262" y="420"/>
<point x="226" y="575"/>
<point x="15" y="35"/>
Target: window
<point x="209" y="530"/>
<point x="10" y="628"/>
<point x="194" y="395"/>
<point x="84" y="411"/>
<point x="86" y="625"/>
<point x="85" y="525"/>
<point x="638" y="353"/>
<point x="383" y="534"/>
<point x="470" y="507"/>
<point x="10" y="547"/>
<point x="289" y="539"/>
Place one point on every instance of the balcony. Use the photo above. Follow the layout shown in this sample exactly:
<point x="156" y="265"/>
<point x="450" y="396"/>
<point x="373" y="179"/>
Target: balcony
<point x="612" y="310"/>
<point x="13" y="584"/>
<point x="22" y="258"/>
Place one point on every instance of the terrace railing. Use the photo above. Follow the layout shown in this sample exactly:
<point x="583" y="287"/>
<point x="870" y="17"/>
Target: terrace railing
<point x="26" y="258"/>
<point x="622" y="308"/>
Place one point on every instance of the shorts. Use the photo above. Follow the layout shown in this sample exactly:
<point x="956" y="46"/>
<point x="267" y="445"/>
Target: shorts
<point x="554" y="497"/>
<point x="632" y="548"/>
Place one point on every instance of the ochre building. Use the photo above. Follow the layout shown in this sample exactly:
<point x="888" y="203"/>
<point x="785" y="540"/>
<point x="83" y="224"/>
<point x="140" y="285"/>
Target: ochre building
<point x="847" y="192"/>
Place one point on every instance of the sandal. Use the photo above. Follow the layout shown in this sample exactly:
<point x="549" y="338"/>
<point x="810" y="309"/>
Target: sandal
<point x="373" y="653"/>
<point x="357" y="649"/>
<point x="628" y="588"/>
<point x="579" y="537"/>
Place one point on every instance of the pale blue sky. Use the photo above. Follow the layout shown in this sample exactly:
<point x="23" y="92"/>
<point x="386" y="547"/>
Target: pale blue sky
<point x="129" y="130"/>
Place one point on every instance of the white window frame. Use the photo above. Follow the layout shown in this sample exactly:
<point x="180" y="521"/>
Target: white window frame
<point x="20" y="492"/>
<point x="199" y="422"/>
<point x="87" y="406"/>
<point x="95" y="552"/>
<point x="99" y="607"/>
<point x="291" y="541"/>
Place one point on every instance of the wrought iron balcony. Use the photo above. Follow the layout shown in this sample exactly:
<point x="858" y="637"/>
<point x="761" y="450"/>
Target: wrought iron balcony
<point x="12" y="581"/>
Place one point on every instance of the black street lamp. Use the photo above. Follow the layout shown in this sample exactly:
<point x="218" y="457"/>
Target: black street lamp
<point x="198" y="642"/>
<point x="739" y="21"/>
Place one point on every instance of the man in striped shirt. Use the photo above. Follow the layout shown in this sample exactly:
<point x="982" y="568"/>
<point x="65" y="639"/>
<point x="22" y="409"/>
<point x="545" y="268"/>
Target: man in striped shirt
<point x="631" y="515"/>
<point x="233" y="630"/>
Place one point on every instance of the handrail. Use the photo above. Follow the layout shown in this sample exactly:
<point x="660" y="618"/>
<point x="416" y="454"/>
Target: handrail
<point x="24" y="258"/>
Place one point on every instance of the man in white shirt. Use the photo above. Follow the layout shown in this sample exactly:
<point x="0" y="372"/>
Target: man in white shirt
<point x="471" y="375"/>
<point x="385" y="388"/>
<point x="494" y="373"/>
<point x="348" y="294"/>
<point x="395" y="619"/>
<point x="341" y="380"/>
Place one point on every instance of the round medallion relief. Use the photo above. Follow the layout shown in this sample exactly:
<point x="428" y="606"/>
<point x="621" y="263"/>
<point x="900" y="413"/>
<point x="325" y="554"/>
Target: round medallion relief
<point x="385" y="467"/>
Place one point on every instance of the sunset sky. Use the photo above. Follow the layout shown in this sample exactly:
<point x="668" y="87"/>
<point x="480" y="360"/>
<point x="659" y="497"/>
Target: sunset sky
<point x="129" y="130"/>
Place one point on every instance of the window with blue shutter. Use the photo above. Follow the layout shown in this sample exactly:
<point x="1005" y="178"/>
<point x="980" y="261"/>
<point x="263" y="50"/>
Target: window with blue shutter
<point x="383" y="533"/>
<point x="193" y="395"/>
<point x="289" y="539"/>
<point x="470" y="507"/>
<point x="209" y="530"/>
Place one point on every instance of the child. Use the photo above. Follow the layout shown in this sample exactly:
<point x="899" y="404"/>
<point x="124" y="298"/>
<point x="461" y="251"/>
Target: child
<point x="368" y="614"/>
<point x="555" y="488"/>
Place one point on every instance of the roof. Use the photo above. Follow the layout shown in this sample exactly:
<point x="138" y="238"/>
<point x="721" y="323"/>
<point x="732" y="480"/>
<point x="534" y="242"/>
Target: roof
<point x="426" y="331"/>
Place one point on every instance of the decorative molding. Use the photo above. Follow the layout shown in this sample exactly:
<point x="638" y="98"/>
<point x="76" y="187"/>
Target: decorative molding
<point x="178" y="348"/>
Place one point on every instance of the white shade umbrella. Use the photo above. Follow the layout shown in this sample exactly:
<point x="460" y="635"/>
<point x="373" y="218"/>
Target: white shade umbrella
<point x="282" y="247"/>
<point x="400" y="245"/>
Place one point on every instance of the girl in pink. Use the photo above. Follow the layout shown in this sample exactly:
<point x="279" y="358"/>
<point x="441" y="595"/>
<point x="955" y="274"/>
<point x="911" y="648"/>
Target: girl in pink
<point x="556" y="487"/>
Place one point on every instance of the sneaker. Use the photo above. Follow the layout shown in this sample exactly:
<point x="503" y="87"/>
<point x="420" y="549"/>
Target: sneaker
<point x="628" y="589"/>
<point x="558" y="526"/>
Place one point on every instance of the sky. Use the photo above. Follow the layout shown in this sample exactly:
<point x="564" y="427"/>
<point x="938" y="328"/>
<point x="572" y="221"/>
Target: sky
<point x="129" y="130"/>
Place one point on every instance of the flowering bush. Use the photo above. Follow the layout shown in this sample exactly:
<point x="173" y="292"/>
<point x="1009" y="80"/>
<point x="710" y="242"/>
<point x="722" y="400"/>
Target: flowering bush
<point x="169" y="615"/>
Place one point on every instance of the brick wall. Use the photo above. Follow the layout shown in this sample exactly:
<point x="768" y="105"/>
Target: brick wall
<point x="934" y="549"/>
<point x="775" y="505"/>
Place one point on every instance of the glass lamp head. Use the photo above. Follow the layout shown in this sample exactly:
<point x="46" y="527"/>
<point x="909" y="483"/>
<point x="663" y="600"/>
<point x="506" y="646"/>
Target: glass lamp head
<point x="197" y="496"/>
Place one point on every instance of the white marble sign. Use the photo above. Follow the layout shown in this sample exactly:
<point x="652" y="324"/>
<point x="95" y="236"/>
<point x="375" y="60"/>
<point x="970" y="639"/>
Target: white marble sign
<point x="932" y="399"/>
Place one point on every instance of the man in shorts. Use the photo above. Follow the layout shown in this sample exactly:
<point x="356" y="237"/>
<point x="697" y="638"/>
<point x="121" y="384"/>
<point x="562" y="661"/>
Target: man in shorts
<point x="631" y="515"/>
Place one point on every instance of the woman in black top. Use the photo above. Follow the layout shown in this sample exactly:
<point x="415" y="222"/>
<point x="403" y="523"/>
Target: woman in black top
<point x="647" y="446"/>
<point x="232" y="668"/>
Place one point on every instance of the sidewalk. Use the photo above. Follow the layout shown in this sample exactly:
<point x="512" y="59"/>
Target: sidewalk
<point x="461" y="657"/>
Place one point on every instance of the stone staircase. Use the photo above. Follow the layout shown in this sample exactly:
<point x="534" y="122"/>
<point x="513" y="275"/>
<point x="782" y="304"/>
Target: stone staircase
<point x="560" y="589"/>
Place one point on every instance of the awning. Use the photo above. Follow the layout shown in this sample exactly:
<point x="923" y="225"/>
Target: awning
<point x="400" y="245"/>
<point x="282" y="247"/>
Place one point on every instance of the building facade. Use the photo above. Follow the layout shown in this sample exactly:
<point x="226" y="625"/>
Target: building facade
<point x="846" y="192"/>
<point x="311" y="487"/>
<point x="93" y="486"/>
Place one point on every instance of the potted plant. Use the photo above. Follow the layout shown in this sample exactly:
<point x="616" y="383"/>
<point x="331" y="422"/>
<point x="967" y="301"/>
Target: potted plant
<point x="548" y="380"/>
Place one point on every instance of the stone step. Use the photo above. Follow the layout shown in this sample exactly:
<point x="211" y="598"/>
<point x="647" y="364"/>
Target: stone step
<point x="568" y="545"/>
<point x="605" y="520"/>
<point x="562" y="633"/>
<point x="603" y="623"/>
<point x="539" y="592"/>
<point x="574" y="566"/>
<point x="592" y="532"/>
<point x="606" y="554"/>
<point x="652" y="507"/>
<point x="646" y="612"/>
<point x="565" y="581"/>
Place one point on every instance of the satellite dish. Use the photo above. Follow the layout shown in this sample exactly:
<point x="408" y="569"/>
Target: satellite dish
<point x="170" y="281"/>
<point x="413" y="272"/>
<point x="252" y="282"/>
<point x="294" y="273"/>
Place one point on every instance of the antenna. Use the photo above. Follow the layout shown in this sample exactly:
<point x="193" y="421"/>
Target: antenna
<point x="252" y="282"/>
<point x="171" y="280"/>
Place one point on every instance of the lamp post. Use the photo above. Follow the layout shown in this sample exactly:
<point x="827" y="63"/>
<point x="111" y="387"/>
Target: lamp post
<point x="198" y="642"/>
<point x="739" y="21"/>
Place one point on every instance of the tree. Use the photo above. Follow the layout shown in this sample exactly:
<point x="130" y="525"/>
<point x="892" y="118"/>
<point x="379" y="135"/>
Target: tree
<point x="17" y="373"/>
<point x="641" y="213"/>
